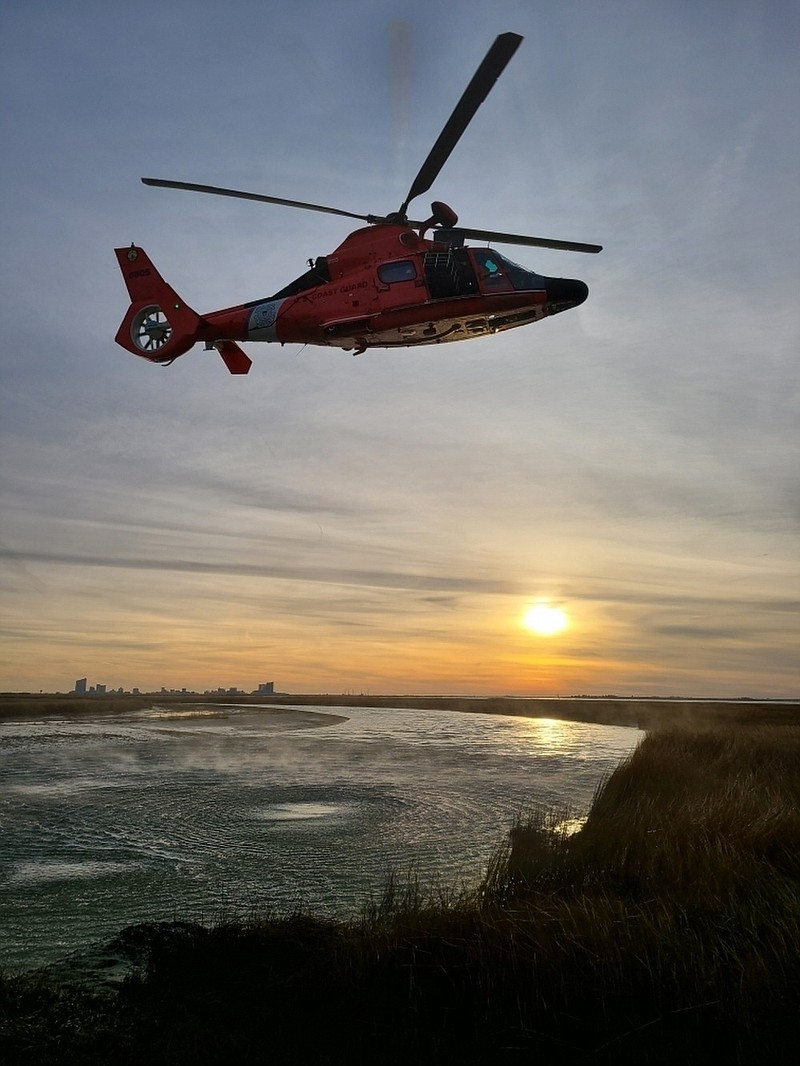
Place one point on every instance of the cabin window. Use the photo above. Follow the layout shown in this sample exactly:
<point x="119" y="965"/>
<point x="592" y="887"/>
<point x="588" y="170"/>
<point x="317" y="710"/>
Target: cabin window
<point x="401" y="270"/>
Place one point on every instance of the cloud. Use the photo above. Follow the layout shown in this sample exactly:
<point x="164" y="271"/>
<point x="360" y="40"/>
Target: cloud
<point x="636" y="457"/>
<point x="409" y="581"/>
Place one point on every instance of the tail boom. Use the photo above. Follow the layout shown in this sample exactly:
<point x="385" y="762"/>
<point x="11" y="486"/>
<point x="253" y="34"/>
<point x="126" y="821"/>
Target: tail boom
<point x="160" y="326"/>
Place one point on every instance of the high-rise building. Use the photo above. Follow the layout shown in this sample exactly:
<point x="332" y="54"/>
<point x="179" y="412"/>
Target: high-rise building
<point x="267" y="688"/>
<point x="80" y="686"/>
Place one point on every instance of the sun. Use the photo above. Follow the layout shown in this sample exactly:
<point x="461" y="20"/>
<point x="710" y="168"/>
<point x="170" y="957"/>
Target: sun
<point x="545" y="620"/>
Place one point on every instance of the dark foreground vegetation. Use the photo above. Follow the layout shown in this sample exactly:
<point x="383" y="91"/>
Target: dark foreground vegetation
<point x="666" y="931"/>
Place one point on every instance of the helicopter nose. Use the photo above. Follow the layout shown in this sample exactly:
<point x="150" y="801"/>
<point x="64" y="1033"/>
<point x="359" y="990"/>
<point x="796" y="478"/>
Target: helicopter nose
<point x="566" y="292"/>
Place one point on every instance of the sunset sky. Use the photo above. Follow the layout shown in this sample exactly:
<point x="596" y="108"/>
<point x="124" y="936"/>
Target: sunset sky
<point x="384" y="523"/>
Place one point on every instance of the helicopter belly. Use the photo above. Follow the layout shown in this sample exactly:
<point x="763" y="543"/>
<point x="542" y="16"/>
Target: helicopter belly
<point x="439" y="330"/>
<point x="453" y="320"/>
<point x="453" y="329"/>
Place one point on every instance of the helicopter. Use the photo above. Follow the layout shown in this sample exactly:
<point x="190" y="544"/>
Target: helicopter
<point x="387" y="285"/>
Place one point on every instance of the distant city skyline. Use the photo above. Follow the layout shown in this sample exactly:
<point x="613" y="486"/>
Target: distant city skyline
<point x="268" y="689"/>
<point x="82" y="687"/>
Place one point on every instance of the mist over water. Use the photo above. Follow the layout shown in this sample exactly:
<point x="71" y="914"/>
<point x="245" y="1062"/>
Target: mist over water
<point x="200" y="814"/>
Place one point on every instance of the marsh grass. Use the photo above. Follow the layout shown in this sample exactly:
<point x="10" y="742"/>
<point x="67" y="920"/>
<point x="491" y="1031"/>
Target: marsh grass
<point x="665" y="931"/>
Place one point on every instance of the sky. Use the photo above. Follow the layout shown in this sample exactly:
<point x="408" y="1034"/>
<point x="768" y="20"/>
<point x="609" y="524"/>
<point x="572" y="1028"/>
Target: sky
<point x="382" y="524"/>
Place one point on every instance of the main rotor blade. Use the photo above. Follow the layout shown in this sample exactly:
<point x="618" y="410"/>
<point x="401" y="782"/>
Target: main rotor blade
<point x="253" y="196"/>
<point x="518" y="238"/>
<point x="493" y="65"/>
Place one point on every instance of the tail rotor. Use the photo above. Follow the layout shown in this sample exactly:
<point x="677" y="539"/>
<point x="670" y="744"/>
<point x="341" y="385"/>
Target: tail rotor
<point x="151" y="330"/>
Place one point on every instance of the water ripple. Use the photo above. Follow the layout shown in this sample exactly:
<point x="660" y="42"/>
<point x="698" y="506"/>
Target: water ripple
<point x="107" y="821"/>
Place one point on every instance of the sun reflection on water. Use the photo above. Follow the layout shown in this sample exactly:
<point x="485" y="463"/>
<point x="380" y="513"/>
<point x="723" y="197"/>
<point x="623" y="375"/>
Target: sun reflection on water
<point x="550" y="735"/>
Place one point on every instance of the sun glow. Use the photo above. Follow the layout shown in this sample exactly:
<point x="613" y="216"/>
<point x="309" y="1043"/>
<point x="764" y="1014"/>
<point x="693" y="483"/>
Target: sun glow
<point x="545" y="620"/>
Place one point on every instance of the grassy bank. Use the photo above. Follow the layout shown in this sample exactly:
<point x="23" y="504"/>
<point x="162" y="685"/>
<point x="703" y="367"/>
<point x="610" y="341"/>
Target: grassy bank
<point x="602" y="710"/>
<point x="25" y="705"/>
<point x="642" y="713"/>
<point x="666" y="931"/>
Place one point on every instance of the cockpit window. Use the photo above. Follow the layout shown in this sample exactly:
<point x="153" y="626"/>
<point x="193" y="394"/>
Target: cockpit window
<point x="401" y="270"/>
<point x="490" y="264"/>
<point x="496" y="272"/>
<point x="491" y="270"/>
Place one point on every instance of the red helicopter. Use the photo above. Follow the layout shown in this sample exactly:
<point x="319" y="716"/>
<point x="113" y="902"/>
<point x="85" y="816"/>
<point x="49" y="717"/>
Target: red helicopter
<point x="386" y="286"/>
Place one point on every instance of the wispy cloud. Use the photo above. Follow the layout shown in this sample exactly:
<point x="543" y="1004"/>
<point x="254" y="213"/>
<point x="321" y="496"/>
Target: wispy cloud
<point x="386" y="518"/>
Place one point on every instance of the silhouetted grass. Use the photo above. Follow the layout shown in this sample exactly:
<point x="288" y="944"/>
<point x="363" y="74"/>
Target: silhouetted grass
<point x="665" y="931"/>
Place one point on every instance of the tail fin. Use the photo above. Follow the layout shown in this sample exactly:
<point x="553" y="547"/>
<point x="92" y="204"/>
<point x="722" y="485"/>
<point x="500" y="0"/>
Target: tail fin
<point x="159" y="326"/>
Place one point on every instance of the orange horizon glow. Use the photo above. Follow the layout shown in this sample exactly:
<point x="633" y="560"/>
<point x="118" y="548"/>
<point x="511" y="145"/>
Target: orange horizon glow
<point x="397" y="643"/>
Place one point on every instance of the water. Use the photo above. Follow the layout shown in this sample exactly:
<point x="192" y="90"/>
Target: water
<point x="107" y="821"/>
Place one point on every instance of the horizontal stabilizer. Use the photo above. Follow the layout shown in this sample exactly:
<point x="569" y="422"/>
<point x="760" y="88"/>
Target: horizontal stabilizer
<point x="234" y="358"/>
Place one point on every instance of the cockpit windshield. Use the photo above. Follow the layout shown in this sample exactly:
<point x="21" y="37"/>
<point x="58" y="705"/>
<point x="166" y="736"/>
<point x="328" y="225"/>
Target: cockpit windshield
<point x="495" y="272"/>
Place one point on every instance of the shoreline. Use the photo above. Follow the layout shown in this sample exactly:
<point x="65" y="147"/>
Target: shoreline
<point x="641" y="713"/>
